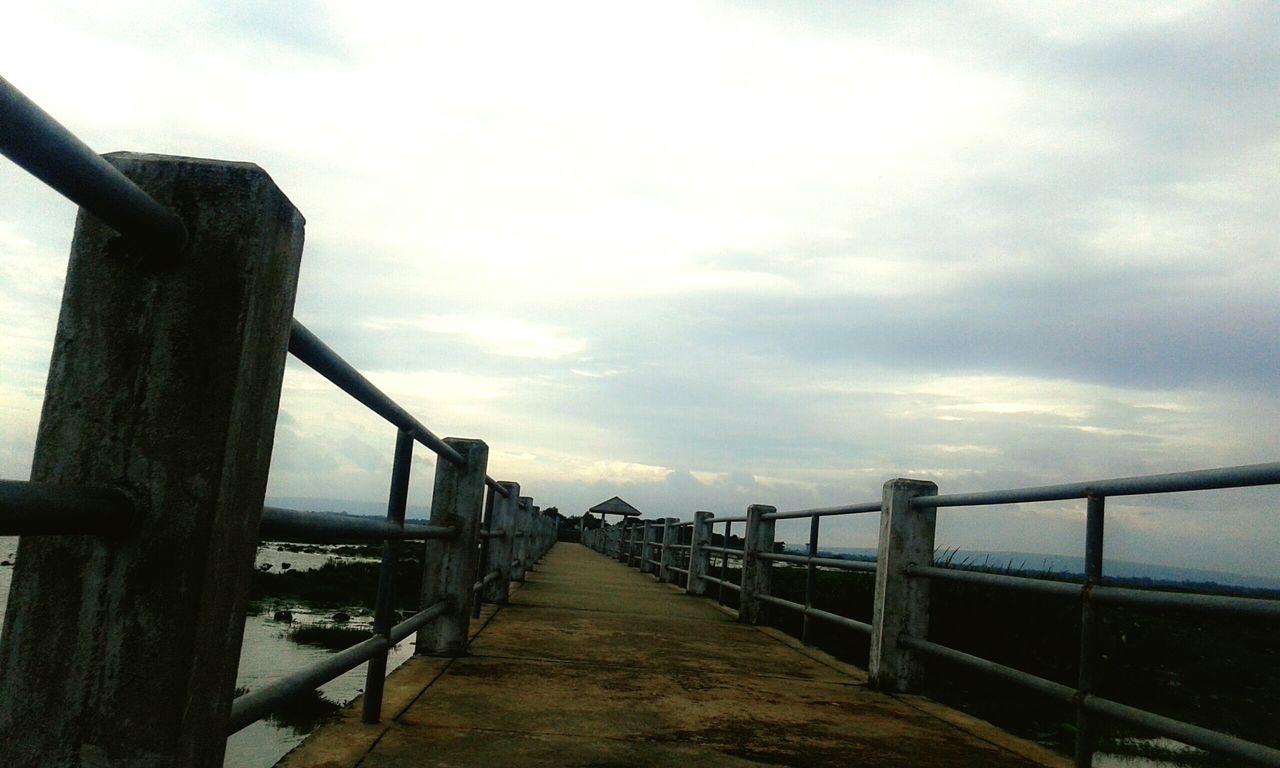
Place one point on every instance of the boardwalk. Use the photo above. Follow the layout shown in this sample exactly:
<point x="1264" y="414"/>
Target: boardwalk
<point x="595" y="664"/>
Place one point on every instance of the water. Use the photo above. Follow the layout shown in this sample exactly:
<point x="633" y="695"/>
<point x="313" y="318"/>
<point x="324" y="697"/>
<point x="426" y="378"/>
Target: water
<point x="266" y="654"/>
<point x="1106" y="760"/>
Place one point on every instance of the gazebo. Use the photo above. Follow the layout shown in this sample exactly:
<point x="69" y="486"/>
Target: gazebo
<point x="614" y="506"/>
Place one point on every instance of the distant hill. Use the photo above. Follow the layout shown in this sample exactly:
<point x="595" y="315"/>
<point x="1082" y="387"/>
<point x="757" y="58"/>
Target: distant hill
<point x="1074" y="566"/>
<point x="362" y="508"/>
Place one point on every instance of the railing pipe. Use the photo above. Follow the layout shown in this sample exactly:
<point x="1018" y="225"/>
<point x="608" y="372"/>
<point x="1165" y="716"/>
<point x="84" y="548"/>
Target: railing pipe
<point x="847" y="509"/>
<point x="839" y="563"/>
<point x="1175" y="482"/>
<point x="327" y="527"/>
<point x="36" y="509"/>
<point x="307" y="347"/>
<point x="255" y="705"/>
<point x="51" y="153"/>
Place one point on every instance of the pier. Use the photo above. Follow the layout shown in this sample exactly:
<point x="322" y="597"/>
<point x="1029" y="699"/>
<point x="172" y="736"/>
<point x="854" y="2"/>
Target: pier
<point x="595" y="664"/>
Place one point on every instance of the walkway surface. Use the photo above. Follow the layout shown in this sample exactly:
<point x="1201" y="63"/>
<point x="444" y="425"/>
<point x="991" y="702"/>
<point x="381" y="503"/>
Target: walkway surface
<point x="594" y="664"/>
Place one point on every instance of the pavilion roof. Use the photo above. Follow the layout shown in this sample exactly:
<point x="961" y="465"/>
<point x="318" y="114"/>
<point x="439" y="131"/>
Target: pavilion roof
<point x="615" y="506"/>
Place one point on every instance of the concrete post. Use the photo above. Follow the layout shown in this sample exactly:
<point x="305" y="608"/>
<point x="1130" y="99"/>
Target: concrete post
<point x="164" y="384"/>
<point x="670" y="537"/>
<point x="500" y="549"/>
<point x="524" y="532"/>
<point x="624" y="541"/>
<point x="534" y="552"/>
<point x="449" y="570"/>
<point x="699" y="558"/>
<point x="613" y="540"/>
<point x="901" y="606"/>
<point x="757" y="574"/>
<point x="646" y="546"/>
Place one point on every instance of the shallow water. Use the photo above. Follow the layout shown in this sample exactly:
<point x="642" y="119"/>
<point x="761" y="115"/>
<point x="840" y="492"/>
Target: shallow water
<point x="266" y="654"/>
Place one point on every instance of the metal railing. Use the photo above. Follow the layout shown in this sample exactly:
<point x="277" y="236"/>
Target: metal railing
<point x="482" y="534"/>
<point x="900" y="611"/>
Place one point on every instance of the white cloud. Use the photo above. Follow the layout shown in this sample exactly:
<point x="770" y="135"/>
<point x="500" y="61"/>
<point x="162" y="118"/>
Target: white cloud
<point x="799" y="254"/>
<point x="495" y="334"/>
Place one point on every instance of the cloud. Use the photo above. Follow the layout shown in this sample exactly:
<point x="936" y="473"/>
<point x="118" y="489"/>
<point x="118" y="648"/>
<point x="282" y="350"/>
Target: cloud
<point x="805" y="249"/>
<point x="494" y="334"/>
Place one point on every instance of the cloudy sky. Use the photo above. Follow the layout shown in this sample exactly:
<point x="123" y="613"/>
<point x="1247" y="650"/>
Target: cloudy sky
<point x="707" y="254"/>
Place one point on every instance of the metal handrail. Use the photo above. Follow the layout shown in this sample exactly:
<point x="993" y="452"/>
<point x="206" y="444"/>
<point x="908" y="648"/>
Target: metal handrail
<point x="47" y="150"/>
<point x="307" y="347"/>
<point x="847" y="509"/>
<point x="328" y="527"/>
<point x="824" y="562"/>
<point x="257" y="704"/>
<point x="28" y="508"/>
<point x="1174" y="482"/>
<point x="729" y="519"/>
<point x="1093" y="591"/>
<point x="1186" y="733"/>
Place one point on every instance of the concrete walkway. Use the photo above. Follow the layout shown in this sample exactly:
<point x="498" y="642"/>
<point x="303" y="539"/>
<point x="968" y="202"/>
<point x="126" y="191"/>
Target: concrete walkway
<point x="594" y="664"/>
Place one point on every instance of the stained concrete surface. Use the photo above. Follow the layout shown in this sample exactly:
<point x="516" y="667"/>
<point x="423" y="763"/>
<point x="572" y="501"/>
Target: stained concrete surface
<point x="596" y="665"/>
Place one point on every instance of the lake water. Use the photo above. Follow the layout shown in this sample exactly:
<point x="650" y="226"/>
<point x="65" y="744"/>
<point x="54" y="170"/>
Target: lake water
<point x="267" y="654"/>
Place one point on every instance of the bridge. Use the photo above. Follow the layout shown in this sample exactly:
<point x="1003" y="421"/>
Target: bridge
<point x="595" y="664"/>
<point x="146" y="503"/>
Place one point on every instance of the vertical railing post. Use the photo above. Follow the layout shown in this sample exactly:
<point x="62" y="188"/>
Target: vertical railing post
<point x="535" y="544"/>
<point x="613" y="540"/>
<point x="500" y="551"/>
<point x="449" y="570"/>
<point x="165" y="384"/>
<point x="624" y="541"/>
<point x="667" y="557"/>
<point x="384" y="609"/>
<point x="901" y="607"/>
<point x="810" y="578"/>
<point x="1086" y="736"/>
<point x="524" y="526"/>
<point x="486" y="528"/>
<point x="757" y="573"/>
<point x="699" y="557"/>
<point x="646" y="547"/>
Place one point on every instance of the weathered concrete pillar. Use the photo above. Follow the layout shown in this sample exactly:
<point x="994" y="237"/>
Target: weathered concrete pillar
<point x="624" y="540"/>
<point x="901" y="604"/>
<point x="449" y="566"/>
<point x="670" y="537"/>
<point x="534" y="553"/>
<point x="699" y="558"/>
<point x="757" y="574"/>
<point x="500" y="549"/>
<point x="524" y="532"/>
<point x="164" y="384"/>
<point x="646" y="546"/>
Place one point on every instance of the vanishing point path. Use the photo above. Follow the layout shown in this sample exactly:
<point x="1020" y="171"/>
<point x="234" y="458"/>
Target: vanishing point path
<point x="594" y="664"/>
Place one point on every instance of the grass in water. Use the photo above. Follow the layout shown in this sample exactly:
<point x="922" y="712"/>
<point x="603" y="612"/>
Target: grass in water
<point x="329" y="636"/>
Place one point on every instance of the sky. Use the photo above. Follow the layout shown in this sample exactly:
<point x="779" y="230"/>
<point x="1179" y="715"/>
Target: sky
<point x="707" y="254"/>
